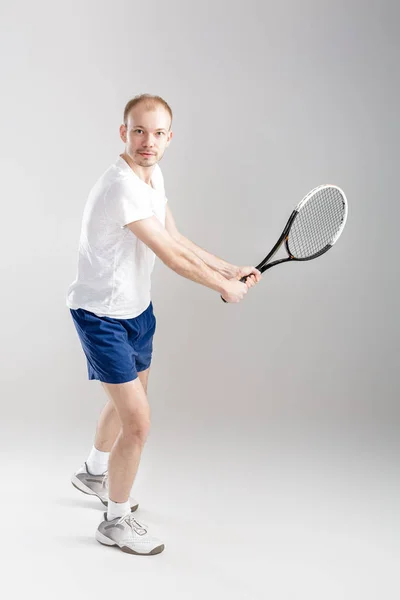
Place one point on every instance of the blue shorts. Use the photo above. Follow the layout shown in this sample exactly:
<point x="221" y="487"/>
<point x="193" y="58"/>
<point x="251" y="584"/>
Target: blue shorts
<point x="116" y="349"/>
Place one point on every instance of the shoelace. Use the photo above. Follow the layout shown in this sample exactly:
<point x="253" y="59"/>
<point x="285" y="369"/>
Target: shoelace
<point x="139" y="528"/>
<point x="135" y="525"/>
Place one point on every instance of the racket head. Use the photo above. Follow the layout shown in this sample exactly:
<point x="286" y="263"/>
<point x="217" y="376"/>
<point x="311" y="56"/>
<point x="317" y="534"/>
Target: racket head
<point x="318" y="223"/>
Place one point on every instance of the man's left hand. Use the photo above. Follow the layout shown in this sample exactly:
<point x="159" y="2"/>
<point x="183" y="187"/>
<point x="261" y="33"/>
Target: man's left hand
<point x="253" y="275"/>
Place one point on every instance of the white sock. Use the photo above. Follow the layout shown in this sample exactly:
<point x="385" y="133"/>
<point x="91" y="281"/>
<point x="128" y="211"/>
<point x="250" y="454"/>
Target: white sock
<point x="117" y="509"/>
<point x="97" y="463"/>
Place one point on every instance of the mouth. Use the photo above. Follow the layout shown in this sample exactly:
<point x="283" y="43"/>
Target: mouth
<point x="147" y="153"/>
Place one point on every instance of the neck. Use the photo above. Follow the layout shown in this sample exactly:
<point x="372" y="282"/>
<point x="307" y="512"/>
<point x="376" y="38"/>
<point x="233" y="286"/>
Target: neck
<point x="144" y="173"/>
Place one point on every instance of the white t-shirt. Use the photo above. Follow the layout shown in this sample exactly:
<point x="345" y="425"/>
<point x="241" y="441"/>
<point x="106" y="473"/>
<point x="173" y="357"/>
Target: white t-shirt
<point x="114" y="266"/>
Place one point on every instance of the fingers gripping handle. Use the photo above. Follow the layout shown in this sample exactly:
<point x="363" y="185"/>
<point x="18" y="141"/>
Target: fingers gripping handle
<point x="243" y="280"/>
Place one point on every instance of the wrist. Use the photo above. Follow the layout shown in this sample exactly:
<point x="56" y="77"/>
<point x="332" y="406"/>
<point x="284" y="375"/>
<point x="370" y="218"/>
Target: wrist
<point x="223" y="288"/>
<point x="229" y="271"/>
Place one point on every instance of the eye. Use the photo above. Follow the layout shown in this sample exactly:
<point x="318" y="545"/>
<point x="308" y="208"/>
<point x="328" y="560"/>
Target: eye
<point x="137" y="130"/>
<point x="161" y="132"/>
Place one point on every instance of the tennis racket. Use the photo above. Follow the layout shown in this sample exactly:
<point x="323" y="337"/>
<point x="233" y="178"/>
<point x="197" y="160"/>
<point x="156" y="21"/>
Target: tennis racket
<point x="313" y="227"/>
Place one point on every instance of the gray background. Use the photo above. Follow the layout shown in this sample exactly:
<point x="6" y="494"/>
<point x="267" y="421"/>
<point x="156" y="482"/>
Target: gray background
<point x="271" y="469"/>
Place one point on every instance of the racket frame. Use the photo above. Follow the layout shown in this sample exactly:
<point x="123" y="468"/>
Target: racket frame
<point x="263" y="266"/>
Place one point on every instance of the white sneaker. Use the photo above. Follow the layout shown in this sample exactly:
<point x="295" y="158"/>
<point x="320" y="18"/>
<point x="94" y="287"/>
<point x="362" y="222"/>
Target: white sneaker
<point x="129" y="535"/>
<point x="95" y="485"/>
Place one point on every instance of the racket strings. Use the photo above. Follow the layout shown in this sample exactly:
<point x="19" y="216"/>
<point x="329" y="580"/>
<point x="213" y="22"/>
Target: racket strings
<point x="317" y="223"/>
<point x="314" y="230"/>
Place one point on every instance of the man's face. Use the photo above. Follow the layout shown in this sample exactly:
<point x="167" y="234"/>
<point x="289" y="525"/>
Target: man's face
<point x="146" y="134"/>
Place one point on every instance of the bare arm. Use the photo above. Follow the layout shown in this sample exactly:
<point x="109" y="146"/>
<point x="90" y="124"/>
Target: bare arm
<point x="175" y="255"/>
<point x="217" y="264"/>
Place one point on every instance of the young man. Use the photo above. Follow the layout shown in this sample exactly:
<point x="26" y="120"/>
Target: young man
<point x="126" y="222"/>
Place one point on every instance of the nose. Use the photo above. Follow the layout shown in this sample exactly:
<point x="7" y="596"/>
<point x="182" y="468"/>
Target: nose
<point x="148" y="141"/>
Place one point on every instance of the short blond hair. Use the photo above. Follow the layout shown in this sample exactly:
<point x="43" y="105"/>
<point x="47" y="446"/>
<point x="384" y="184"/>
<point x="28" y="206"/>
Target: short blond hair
<point x="150" y="102"/>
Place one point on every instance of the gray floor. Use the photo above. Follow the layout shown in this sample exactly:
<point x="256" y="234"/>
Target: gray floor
<point x="290" y="512"/>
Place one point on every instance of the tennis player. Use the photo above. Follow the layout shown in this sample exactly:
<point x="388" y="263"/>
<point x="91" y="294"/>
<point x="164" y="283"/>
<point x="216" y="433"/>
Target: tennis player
<point x="126" y="223"/>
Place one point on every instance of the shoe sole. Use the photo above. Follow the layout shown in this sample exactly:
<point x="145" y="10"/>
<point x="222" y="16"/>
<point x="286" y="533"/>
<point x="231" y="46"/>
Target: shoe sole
<point x="77" y="483"/>
<point x="108" y="542"/>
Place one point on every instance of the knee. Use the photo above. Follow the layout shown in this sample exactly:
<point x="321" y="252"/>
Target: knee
<point x="137" y="430"/>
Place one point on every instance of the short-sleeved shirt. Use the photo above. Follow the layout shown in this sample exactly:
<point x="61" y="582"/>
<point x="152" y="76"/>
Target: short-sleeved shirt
<point x="114" y="266"/>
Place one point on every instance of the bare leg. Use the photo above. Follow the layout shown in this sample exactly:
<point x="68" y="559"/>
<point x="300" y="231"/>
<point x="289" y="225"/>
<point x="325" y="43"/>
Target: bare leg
<point x="144" y="378"/>
<point x="133" y="410"/>
<point x="109" y="424"/>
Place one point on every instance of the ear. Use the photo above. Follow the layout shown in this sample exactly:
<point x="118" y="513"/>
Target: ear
<point x="169" y="138"/>
<point x="123" y="133"/>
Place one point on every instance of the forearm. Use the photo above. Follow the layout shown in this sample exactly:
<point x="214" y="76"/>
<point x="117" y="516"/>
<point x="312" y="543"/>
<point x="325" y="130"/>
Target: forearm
<point x="225" y="269"/>
<point x="187" y="264"/>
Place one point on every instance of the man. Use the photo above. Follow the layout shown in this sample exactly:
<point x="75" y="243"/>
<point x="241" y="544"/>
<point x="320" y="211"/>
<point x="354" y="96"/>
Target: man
<point x="126" y="222"/>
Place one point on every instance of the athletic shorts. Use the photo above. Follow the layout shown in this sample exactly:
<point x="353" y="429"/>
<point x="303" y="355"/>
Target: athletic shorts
<point x="116" y="349"/>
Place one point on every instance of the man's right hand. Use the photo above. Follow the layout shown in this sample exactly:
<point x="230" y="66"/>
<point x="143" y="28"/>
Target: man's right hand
<point x="234" y="290"/>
